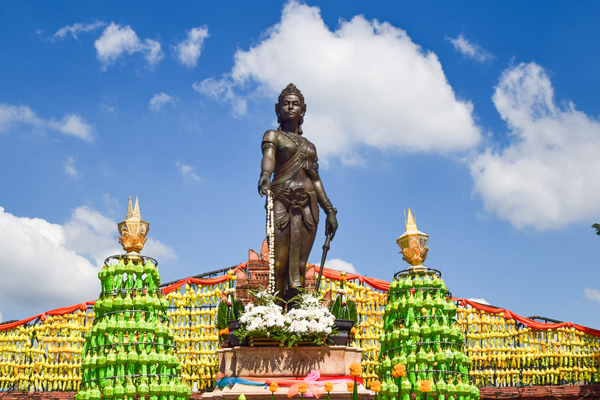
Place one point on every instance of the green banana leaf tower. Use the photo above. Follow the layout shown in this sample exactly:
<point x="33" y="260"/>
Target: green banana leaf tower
<point x="421" y="332"/>
<point x="130" y="349"/>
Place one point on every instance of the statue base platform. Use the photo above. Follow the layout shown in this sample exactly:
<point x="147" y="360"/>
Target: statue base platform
<point x="282" y="362"/>
<point x="278" y="362"/>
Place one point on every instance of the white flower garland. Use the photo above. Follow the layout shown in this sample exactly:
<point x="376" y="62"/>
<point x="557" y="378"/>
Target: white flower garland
<point x="271" y="241"/>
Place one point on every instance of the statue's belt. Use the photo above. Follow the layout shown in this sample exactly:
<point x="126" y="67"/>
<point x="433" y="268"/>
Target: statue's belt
<point x="295" y="201"/>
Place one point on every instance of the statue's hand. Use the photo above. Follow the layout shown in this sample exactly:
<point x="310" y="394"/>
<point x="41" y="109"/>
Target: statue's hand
<point x="264" y="184"/>
<point x="331" y="224"/>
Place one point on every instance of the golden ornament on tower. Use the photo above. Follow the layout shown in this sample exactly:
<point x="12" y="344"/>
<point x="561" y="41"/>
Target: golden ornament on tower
<point x="133" y="230"/>
<point x="413" y="243"/>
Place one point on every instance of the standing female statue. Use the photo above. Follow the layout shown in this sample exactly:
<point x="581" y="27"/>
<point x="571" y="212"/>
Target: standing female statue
<point x="297" y="192"/>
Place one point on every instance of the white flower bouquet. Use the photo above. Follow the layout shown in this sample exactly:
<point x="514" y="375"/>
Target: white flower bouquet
<point x="308" y="322"/>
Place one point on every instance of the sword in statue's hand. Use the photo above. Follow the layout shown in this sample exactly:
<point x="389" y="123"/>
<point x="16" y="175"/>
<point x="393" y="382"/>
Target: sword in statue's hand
<point x="322" y="267"/>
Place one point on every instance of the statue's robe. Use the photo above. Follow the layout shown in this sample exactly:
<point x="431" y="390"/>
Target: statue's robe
<point x="296" y="216"/>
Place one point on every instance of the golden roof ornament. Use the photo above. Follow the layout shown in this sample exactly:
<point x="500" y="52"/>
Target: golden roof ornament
<point x="413" y="244"/>
<point x="133" y="230"/>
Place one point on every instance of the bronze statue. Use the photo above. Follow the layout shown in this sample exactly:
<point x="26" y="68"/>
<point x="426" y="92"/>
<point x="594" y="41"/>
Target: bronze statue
<point x="297" y="191"/>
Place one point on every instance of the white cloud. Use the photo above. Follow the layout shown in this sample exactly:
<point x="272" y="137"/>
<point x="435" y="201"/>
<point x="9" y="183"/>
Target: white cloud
<point x="159" y="100"/>
<point x="71" y="170"/>
<point x="547" y="176"/>
<point x="152" y="51"/>
<point x="366" y="83"/>
<point x="38" y="269"/>
<point x="592" y="294"/>
<point x="480" y="301"/>
<point x="470" y="50"/>
<point x="74" y="125"/>
<point x="14" y="115"/>
<point x="187" y="171"/>
<point x="71" y="124"/>
<point x="222" y="90"/>
<point x="117" y="40"/>
<point x="340" y="265"/>
<point x="159" y="250"/>
<point x="108" y="108"/>
<point x="188" y="50"/>
<point x="110" y="201"/>
<point x="92" y="235"/>
<point x="76" y="29"/>
<point x="45" y="266"/>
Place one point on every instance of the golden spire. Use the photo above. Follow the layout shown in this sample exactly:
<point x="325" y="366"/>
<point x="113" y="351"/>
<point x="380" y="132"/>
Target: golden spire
<point x="410" y="223"/>
<point x="133" y="230"/>
<point x="135" y="213"/>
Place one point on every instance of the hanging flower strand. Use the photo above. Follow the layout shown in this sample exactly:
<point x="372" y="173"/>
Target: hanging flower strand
<point x="271" y="241"/>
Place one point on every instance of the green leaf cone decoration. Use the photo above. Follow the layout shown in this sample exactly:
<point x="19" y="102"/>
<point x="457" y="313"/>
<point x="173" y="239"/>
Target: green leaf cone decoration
<point x="129" y="350"/>
<point x="421" y="332"/>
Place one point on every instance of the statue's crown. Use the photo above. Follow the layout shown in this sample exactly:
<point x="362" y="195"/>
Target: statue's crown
<point x="291" y="89"/>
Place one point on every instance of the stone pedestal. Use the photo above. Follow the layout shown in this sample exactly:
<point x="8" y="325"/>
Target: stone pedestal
<point x="278" y="362"/>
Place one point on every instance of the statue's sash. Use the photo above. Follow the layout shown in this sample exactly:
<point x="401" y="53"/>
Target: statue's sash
<point x="288" y="171"/>
<point x="283" y="178"/>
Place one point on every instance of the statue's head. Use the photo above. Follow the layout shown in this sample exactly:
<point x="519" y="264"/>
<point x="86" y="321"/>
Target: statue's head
<point x="291" y="89"/>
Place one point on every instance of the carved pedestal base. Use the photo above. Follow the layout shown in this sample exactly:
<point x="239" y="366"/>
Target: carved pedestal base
<point x="278" y="362"/>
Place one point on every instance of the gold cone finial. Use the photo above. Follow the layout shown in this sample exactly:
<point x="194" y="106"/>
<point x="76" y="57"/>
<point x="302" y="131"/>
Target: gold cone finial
<point x="129" y="214"/>
<point x="133" y="213"/>
<point x="133" y="230"/>
<point x="410" y="223"/>
<point x="136" y="209"/>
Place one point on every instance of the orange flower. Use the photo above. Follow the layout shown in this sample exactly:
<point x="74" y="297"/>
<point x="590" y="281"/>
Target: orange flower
<point x="399" y="370"/>
<point x="355" y="369"/>
<point x="350" y="386"/>
<point x="353" y="331"/>
<point x="224" y="331"/>
<point x="273" y="387"/>
<point x="425" y="386"/>
<point x="376" y="386"/>
<point x="328" y="386"/>
<point x="343" y="276"/>
<point x="302" y="388"/>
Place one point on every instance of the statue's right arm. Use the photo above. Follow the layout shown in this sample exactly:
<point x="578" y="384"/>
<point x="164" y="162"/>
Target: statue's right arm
<point x="269" y="146"/>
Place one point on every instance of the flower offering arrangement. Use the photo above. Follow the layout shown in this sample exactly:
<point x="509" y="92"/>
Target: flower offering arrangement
<point x="308" y="322"/>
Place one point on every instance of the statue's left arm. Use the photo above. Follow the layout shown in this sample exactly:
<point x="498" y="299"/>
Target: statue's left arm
<point x="331" y="223"/>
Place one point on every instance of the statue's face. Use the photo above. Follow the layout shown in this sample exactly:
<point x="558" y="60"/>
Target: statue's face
<point x="291" y="107"/>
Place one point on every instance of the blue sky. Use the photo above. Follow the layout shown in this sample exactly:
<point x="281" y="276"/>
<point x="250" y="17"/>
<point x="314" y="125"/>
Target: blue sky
<point x="483" y="117"/>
